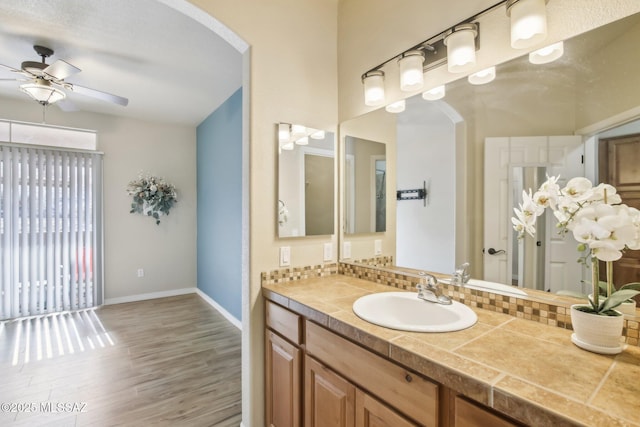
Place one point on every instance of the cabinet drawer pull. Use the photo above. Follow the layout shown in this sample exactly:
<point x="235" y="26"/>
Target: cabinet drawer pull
<point x="408" y="378"/>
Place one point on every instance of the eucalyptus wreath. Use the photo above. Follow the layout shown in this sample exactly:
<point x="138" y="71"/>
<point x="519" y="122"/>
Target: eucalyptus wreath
<point x="152" y="196"/>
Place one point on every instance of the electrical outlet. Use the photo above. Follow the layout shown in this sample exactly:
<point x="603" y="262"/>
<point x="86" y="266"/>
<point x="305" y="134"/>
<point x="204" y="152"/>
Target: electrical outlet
<point x="141" y="272"/>
<point x="346" y="250"/>
<point x="328" y="251"/>
<point x="285" y="256"/>
<point x="377" y="250"/>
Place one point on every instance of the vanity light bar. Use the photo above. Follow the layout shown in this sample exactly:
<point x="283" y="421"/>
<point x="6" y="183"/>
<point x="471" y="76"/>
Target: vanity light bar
<point x="290" y="135"/>
<point x="457" y="46"/>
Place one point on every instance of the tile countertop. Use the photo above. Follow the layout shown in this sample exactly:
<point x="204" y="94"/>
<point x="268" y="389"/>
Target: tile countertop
<point x="522" y="368"/>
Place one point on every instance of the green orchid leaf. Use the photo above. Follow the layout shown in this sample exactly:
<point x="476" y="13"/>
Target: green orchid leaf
<point x="633" y="285"/>
<point x="618" y="298"/>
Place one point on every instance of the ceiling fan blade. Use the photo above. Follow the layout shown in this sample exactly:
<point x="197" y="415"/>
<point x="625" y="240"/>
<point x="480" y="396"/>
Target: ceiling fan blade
<point x="15" y="70"/>
<point x="66" y="105"/>
<point x="60" y="70"/>
<point x="98" y="94"/>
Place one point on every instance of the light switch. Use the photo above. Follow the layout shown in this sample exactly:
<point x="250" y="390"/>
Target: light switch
<point x="377" y="247"/>
<point x="328" y="251"/>
<point x="285" y="256"/>
<point x="346" y="250"/>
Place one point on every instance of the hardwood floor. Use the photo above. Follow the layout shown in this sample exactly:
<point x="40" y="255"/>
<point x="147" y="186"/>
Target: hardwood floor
<point x="171" y="361"/>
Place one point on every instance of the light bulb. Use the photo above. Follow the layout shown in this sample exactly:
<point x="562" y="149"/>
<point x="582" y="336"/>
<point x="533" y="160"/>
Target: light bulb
<point x="434" y="94"/>
<point x="396" y="107"/>
<point x="284" y="132"/>
<point x="318" y="134"/>
<point x="461" y="48"/>
<point x="528" y="22"/>
<point x="411" y="73"/>
<point x="547" y="54"/>
<point x="373" y="82"/>
<point x="483" y="76"/>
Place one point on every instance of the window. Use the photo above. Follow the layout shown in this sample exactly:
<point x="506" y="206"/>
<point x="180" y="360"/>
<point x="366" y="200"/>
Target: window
<point x="50" y="230"/>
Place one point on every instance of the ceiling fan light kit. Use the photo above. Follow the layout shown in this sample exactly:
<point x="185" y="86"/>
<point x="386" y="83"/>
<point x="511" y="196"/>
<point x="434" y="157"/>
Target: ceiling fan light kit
<point x="42" y="91"/>
<point x="46" y="82"/>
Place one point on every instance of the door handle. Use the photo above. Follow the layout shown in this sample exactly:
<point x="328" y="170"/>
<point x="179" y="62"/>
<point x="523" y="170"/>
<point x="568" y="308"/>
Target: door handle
<point x="492" y="251"/>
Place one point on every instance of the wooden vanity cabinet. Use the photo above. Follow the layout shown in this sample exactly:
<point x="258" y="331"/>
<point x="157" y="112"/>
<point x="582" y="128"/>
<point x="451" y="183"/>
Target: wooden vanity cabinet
<point x="370" y="412"/>
<point x="316" y="378"/>
<point x="469" y="414"/>
<point x="283" y="367"/>
<point x="329" y="399"/>
<point x="410" y="395"/>
<point x="332" y="401"/>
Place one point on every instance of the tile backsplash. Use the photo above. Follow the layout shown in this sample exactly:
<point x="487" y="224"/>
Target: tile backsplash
<point x="381" y="270"/>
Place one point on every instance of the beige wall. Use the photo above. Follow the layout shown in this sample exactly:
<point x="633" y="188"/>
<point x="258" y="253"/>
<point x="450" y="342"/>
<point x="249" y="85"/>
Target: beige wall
<point x="166" y="252"/>
<point x="616" y="87"/>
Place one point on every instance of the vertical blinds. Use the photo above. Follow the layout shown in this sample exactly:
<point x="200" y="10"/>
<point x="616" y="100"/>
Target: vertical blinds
<point x="50" y="230"/>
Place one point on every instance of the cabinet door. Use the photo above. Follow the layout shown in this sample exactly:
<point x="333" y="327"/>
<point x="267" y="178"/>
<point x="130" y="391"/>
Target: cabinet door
<point x="372" y="413"/>
<point x="468" y="414"/>
<point x="283" y="386"/>
<point x="329" y="398"/>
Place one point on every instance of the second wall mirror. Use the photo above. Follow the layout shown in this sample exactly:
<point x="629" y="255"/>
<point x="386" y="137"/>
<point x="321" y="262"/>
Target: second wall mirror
<point x="306" y="181"/>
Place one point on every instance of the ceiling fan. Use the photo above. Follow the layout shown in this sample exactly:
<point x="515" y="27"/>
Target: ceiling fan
<point x="46" y="83"/>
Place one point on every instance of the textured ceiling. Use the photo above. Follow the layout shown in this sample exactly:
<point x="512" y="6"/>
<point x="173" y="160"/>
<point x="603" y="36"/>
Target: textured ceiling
<point x="171" y="68"/>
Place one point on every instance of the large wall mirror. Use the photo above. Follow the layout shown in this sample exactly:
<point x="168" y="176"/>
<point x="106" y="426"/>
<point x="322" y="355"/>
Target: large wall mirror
<point x="306" y="181"/>
<point x="365" y="180"/>
<point x="538" y="112"/>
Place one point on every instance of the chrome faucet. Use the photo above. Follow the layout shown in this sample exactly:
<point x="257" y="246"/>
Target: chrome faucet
<point x="430" y="292"/>
<point x="461" y="276"/>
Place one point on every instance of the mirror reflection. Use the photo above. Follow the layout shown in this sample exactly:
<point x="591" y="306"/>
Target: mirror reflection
<point x="548" y="119"/>
<point x="305" y="181"/>
<point x="365" y="186"/>
<point x="528" y="260"/>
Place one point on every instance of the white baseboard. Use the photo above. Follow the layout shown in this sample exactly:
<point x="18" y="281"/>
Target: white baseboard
<point x="235" y="322"/>
<point x="151" y="295"/>
<point x="174" y="292"/>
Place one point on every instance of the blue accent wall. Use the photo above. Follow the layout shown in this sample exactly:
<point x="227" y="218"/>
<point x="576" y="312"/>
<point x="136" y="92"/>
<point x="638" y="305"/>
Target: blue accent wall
<point x="219" y="180"/>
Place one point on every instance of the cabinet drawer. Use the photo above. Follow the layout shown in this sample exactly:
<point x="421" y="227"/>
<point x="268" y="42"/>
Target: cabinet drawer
<point x="283" y="321"/>
<point x="409" y="393"/>
<point x="468" y="414"/>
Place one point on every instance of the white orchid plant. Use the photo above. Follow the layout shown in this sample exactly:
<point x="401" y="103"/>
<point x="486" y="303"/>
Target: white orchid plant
<point x="152" y="196"/>
<point x="603" y="226"/>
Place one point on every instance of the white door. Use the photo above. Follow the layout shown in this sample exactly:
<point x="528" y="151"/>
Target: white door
<point x="496" y="209"/>
<point x="561" y="155"/>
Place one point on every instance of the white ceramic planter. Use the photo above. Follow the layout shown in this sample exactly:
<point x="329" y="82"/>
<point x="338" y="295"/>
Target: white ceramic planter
<point x="599" y="334"/>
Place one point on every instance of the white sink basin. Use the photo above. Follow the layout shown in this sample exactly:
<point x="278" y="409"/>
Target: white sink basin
<point x="406" y="312"/>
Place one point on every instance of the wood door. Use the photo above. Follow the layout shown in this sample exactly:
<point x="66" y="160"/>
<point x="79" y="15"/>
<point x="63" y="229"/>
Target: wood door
<point x="283" y="386"/>
<point x="329" y="398"/>
<point x="372" y="413"/>
<point x="620" y="167"/>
